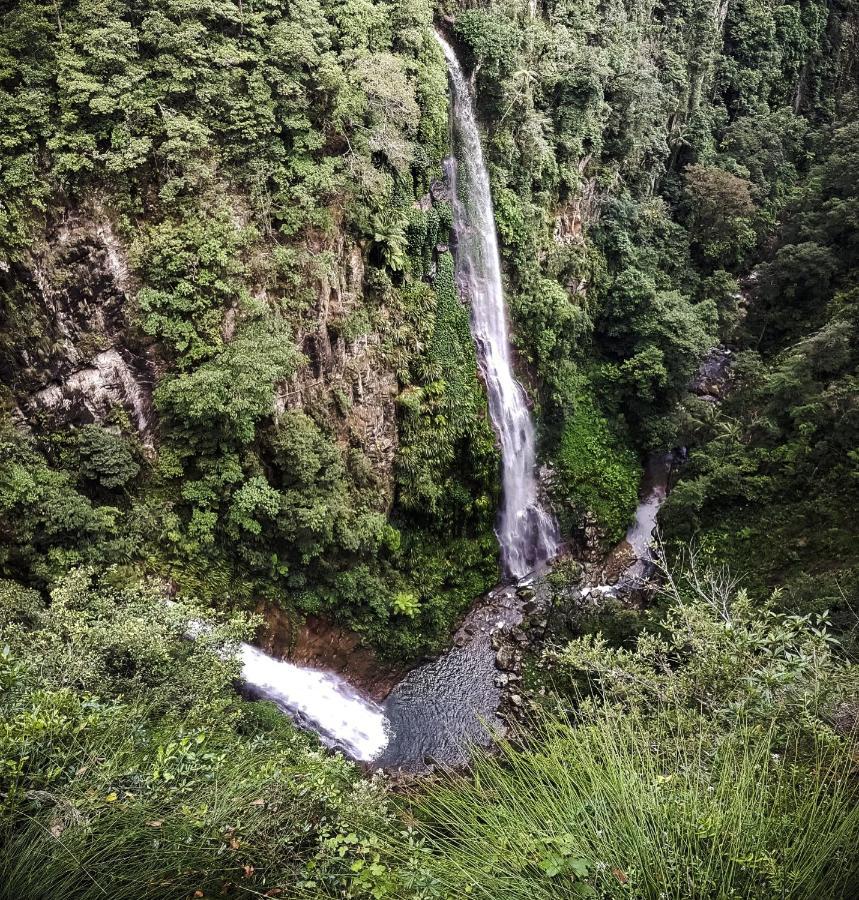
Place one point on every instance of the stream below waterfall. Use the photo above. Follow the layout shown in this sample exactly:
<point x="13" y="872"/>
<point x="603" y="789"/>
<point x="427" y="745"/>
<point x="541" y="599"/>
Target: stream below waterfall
<point x="443" y="708"/>
<point x="440" y="710"/>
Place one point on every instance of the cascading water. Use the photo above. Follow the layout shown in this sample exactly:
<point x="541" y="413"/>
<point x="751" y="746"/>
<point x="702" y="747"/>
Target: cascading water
<point x="527" y="533"/>
<point x="321" y="701"/>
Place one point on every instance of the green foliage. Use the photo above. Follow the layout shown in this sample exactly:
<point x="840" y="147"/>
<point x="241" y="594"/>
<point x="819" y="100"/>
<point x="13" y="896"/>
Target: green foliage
<point x="106" y="458"/>
<point x="721" y="209"/>
<point x="597" y="472"/>
<point x="734" y="661"/>
<point x="616" y="807"/>
<point x="191" y="274"/>
<point x="406" y="604"/>
<point x="445" y="419"/>
<point x="663" y="178"/>
<point x="773" y="477"/>
<point x="46" y="522"/>
<point x="223" y="399"/>
<point x="128" y="764"/>
<point x="707" y="761"/>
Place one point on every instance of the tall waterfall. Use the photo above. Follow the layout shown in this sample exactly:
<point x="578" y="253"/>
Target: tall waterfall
<point x="527" y="533"/>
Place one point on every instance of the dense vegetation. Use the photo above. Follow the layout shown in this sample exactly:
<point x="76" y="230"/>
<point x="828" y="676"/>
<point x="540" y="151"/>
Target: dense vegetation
<point x="669" y="177"/>
<point x="131" y="768"/>
<point x="721" y="774"/>
<point x="242" y="153"/>
<point x="237" y="203"/>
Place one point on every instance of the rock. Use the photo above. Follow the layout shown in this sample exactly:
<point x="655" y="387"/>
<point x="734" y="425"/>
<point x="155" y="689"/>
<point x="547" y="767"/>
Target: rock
<point x="89" y="394"/>
<point x="574" y="570"/>
<point x="501" y="679"/>
<point x="516" y="699"/>
<point x="346" y="379"/>
<point x="505" y="658"/>
<point x="525" y="593"/>
<point x="713" y="376"/>
<point x="440" y="190"/>
<point x="79" y="359"/>
<point x="520" y="637"/>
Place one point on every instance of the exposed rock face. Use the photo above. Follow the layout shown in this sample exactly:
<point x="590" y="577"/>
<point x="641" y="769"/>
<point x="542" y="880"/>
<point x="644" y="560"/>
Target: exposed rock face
<point x="572" y="219"/>
<point x="712" y="379"/>
<point x="74" y="359"/>
<point x="346" y="379"/>
<point x="318" y="643"/>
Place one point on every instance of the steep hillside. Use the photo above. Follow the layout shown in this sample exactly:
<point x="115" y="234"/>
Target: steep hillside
<point x="233" y="356"/>
<point x="668" y="178"/>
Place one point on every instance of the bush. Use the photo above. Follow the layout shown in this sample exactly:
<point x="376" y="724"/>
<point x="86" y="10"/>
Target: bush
<point x="129" y="767"/>
<point x="597" y="472"/>
<point x="714" y="759"/>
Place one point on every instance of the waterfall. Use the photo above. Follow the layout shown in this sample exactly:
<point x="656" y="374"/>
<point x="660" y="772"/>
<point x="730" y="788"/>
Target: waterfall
<point x="320" y="701"/>
<point x="527" y="533"/>
<point x="441" y="709"/>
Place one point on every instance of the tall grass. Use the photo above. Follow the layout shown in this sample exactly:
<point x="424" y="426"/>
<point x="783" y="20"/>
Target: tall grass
<point x="122" y="810"/>
<point x="616" y="809"/>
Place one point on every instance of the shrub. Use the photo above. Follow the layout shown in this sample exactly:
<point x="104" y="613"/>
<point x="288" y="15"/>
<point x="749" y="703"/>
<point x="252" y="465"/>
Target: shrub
<point x="597" y="472"/>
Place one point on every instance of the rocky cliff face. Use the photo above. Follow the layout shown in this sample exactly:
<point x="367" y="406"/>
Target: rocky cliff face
<point x="346" y="380"/>
<point x="71" y="356"/>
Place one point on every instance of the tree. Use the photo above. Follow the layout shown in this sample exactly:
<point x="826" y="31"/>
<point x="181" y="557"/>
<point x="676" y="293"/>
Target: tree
<point x="722" y="208"/>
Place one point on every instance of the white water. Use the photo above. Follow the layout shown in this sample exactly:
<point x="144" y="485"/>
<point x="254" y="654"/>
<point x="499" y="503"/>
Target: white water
<point x="318" y="700"/>
<point x="527" y="533"/>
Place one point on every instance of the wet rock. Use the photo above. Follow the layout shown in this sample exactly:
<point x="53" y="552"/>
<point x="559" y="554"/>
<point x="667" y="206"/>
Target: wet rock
<point x="348" y="381"/>
<point x="80" y="359"/>
<point x="713" y="376"/>
<point x="520" y="637"/>
<point x="619" y="560"/>
<point x="321" y="644"/>
<point x="440" y="190"/>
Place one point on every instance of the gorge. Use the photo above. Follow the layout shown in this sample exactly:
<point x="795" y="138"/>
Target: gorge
<point x="442" y="708"/>
<point x="352" y="355"/>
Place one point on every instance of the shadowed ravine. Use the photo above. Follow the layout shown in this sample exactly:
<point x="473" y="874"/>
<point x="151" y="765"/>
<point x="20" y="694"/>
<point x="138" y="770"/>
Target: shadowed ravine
<point x="440" y="709"/>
